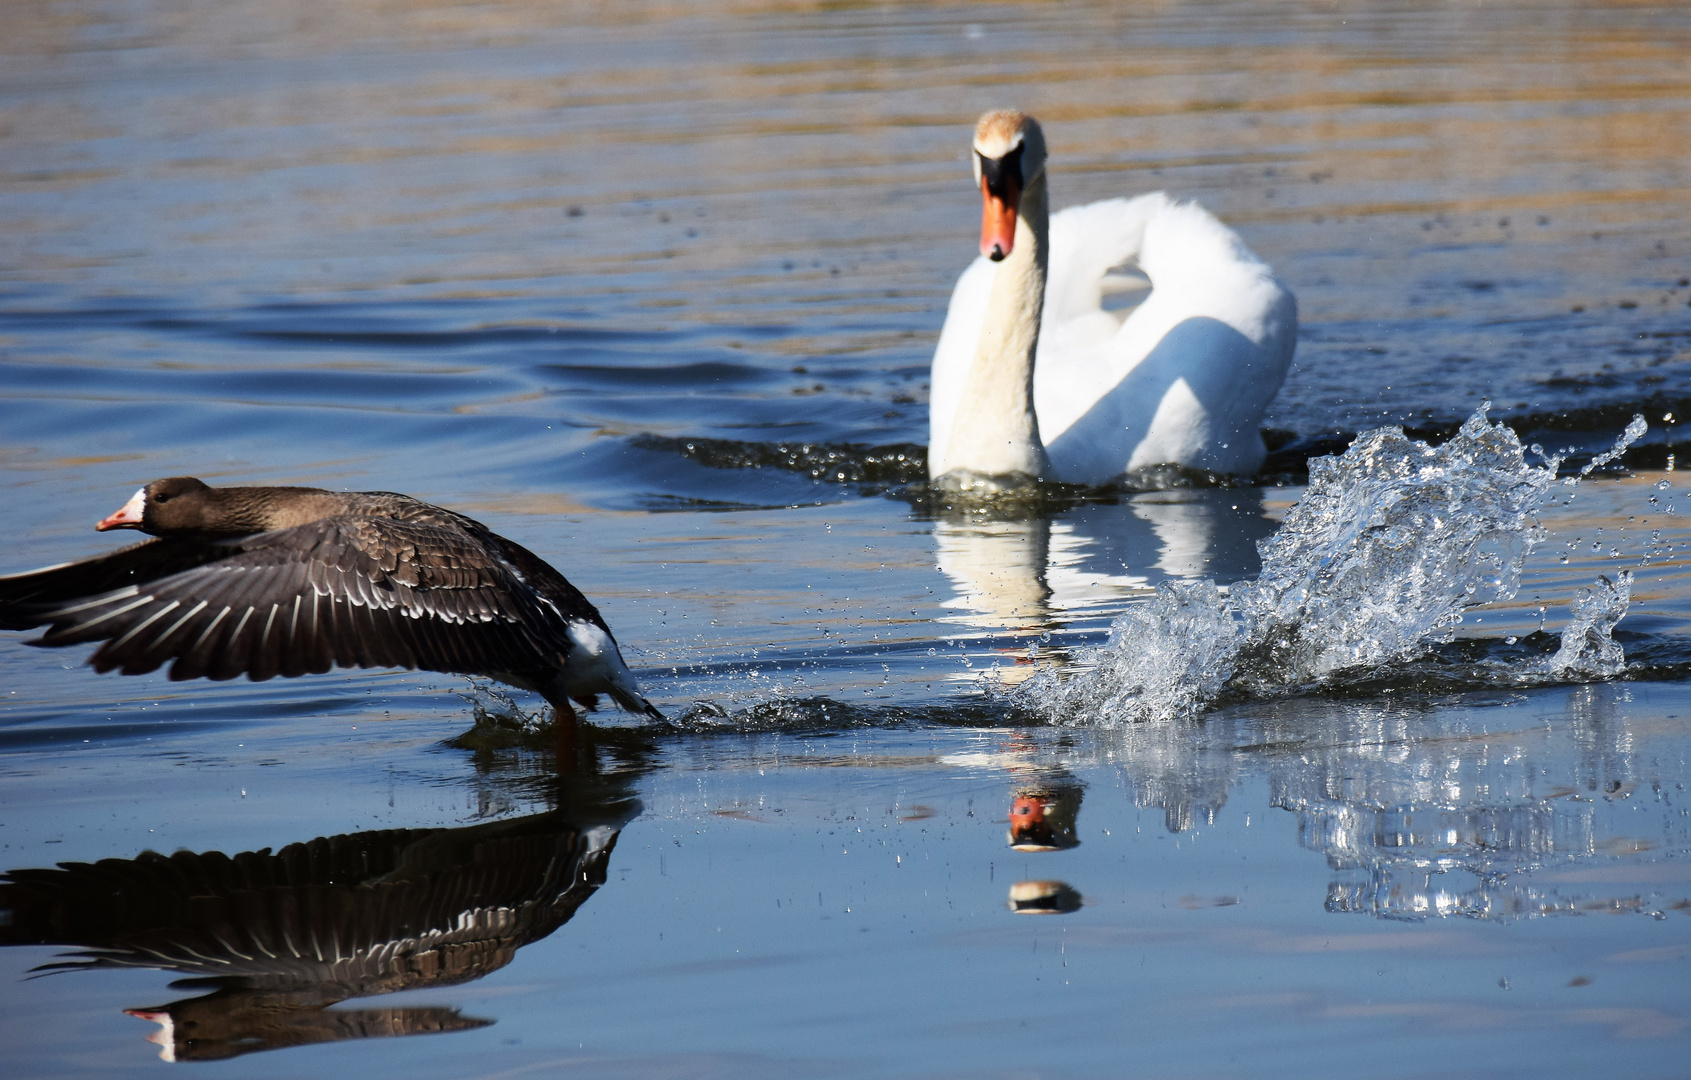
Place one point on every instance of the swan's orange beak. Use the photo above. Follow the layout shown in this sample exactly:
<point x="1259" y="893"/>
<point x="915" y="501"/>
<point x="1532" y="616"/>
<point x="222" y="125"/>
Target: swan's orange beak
<point x="998" y="218"/>
<point x="1027" y="811"/>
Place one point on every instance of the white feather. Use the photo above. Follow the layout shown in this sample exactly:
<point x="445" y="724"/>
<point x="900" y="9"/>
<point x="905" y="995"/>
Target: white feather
<point x="595" y="663"/>
<point x="1184" y="379"/>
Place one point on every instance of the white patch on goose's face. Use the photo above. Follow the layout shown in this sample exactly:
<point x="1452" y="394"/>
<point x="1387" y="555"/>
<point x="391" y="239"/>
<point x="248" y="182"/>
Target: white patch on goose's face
<point x="165" y="1037"/>
<point x="129" y="516"/>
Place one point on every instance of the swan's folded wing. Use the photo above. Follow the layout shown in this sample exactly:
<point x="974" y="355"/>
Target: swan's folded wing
<point x="1087" y="242"/>
<point x="348" y="592"/>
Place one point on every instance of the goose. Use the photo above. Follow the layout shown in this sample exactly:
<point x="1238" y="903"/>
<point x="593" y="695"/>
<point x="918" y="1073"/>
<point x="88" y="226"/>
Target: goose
<point x="1033" y="378"/>
<point x="282" y="935"/>
<point x="287" y="581"/>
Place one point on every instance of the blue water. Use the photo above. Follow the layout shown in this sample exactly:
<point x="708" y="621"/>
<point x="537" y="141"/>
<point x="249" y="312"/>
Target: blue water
<point x="652" y="290"/>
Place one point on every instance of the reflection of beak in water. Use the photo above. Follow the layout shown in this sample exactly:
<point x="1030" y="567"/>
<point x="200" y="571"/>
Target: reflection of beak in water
<point x="1044" y="898"/>
<point x="281" y="936"/>
<point x="1044" y="820"/>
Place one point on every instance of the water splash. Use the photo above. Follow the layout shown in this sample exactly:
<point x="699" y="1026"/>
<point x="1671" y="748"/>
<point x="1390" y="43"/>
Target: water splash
<point x="1589" y="650"/>
<point x="1376" y="564"/>
<point x="1634" y="431"/>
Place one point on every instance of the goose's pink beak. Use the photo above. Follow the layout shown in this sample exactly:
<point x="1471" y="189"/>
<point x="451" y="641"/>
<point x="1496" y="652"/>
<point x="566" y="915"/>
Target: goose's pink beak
<point x="129" y="517"/>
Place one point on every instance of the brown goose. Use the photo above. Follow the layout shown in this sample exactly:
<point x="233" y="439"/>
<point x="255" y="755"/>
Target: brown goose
<point x="282" y="935"/>
<point x="271" y="581"/>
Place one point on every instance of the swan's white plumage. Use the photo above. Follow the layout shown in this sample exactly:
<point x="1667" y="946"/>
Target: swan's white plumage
<point x="1184" y="379"/>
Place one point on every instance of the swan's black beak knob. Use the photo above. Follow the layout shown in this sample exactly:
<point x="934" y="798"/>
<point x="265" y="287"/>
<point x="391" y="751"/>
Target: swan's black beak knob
<point x="1001" y="198"/>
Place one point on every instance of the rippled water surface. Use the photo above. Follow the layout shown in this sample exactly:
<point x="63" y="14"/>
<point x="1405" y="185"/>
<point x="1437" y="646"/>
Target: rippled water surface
<point x="652" y="289"/>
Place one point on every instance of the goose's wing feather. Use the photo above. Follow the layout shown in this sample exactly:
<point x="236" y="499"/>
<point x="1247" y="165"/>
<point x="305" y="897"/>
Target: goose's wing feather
<point x="344" y="591"/>
<point x="24" y="598"/>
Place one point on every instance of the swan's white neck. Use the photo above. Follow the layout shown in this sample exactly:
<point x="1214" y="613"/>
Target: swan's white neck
<point x="995" y="431"/>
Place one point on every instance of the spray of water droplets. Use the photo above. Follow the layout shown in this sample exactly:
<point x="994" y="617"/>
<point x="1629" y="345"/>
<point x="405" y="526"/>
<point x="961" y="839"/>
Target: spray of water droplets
<point x="1393" y="540"/>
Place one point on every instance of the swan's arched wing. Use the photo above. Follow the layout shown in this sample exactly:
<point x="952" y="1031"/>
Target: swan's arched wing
<point x="349" y="592"/>
<point x="1087" y="243"/>
<point x="958" y="340"/>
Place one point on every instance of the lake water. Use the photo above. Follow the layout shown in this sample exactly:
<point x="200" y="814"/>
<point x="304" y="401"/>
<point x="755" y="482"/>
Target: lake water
<point x="640" y="286"/>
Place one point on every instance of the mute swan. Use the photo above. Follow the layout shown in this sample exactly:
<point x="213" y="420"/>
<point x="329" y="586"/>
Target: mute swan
<point x="1033" y="377"/>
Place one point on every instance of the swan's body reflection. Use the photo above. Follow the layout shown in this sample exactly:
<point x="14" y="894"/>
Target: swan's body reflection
<point x="281" y="935"/>
<point x="1024" y="571"/>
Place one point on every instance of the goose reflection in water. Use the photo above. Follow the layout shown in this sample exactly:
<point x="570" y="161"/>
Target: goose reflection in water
<point x="1422" y="813"/>
<point x="1024" y="571"/>
<point x="279" y="936"/>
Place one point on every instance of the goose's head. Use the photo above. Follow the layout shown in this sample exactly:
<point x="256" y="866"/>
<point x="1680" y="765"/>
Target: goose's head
<point x="177" y="504"/>
<point x="1009" y="157"/>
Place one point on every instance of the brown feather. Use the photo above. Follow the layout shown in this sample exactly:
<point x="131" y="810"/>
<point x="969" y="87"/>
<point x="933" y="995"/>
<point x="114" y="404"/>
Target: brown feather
<point x="364" y="579"/>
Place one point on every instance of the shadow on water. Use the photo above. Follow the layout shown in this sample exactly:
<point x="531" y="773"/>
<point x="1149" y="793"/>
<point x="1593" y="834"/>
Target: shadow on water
<point x="280" y="936"/>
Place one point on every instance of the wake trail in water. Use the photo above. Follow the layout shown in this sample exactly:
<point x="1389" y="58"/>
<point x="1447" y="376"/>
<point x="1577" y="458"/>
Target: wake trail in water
<point x="1372" y="568"/>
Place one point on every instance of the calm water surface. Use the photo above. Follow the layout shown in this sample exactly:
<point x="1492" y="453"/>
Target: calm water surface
<point x="636" y="285"/>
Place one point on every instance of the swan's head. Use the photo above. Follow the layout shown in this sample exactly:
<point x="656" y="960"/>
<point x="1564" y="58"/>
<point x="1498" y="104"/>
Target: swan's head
<point x="1009" y="156"/>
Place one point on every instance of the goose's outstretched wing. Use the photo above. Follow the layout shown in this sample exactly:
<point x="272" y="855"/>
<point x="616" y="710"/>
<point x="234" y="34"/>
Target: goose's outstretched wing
<point x="24" y="598"/>
<point x="343" y="591"/>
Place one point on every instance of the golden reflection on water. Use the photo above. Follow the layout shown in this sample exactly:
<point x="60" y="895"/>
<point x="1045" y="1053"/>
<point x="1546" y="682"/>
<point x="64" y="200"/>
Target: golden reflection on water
<point x="314" y="135"/>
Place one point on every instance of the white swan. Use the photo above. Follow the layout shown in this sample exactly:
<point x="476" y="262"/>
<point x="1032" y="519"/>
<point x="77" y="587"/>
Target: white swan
<point x="1033" y="377"/>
